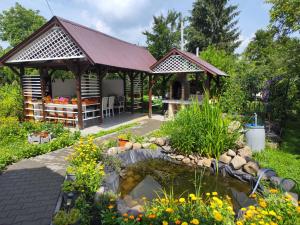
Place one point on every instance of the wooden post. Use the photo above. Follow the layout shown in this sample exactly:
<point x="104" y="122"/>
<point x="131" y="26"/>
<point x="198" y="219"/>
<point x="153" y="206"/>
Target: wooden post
<point x="142" y="90"/>
<point x="78" y="95"/>
<point x="131" y="77"/>
<point x="218" y="83"/>
<point x="101" y="75"/>
<point x="150" y="96"/>
<point x="22" y="73"/>
<point x="207" y="82"/>
<point x="43" y="75"/>
<point x="124" y="90"/>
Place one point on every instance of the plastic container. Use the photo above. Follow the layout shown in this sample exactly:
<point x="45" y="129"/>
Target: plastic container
<point x="255" y="137"/>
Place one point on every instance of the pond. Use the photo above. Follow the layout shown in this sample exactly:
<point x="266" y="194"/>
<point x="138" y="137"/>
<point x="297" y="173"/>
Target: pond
<point x="148" y="178"/>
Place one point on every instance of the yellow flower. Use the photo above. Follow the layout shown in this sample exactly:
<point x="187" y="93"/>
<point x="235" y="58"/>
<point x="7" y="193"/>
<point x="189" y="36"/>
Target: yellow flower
<point x="207" y="194"/>
<point x="253" y="195"/>
<point x="272" y="223"/>
<point x="214" y="193"/>
<point x="110" y="206"/>
<point x="165" y="223"/>
<point x="217" y="215"/>
<point x="243" y="209"/>
<point x="184" y="223"/>
<point x="182" y="200"/>
<point x="262" y="204"/>
<point x="169" y="210"/>
<point x="192" y="195"/>
<point x="251" y="207"/>
<point x="194" y="221"/>
<point x="273" y="191"/>
<point x="298" y="209"/>
<point x="125" y="219"/>
<point x="194" y="198"/>
<point x="239" y="223"/>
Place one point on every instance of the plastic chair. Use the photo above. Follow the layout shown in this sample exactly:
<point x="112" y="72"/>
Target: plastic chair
<point x="104" y="106"/>
<point x="111" y="102"/>
<point x="120" y="104"/>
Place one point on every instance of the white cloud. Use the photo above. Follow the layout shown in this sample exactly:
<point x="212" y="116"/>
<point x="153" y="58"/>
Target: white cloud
<point x="245" y="41"/>
<point x="96" y="23"/>
<point x="118" y="9"/>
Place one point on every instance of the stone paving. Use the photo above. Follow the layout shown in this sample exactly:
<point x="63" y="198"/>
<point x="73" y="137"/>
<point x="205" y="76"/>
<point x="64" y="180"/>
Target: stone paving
<point x="30" y="188"/>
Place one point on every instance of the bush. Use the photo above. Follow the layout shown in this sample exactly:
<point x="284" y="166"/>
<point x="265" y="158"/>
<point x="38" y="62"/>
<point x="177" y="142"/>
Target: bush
<point x="200" y="129"/>
<point x="11" y="101"/>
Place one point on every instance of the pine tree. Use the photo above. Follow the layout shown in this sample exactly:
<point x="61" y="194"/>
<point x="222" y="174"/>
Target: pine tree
<point x="213" y="23"/>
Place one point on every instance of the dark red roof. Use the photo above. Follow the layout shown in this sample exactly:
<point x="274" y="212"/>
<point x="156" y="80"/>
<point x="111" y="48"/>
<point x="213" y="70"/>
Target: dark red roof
<point x="98" y="47"/>
<point x="194" y="59"/>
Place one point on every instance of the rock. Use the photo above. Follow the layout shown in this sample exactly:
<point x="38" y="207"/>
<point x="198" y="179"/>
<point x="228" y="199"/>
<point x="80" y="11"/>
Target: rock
<point x="136" y="210"/>
<point x="128" y="146"/>
<point x="206" y="162"/>
<point x="224" y="158"/>
<point x="251" y="168"/>
<point x="273" y="145"/>
<point x="136" y="146"/>
<point x="245" y="152"/>
<point x="294" y="197"/>
<point x="180" y="157"/>
<point x="285" y="184"/>
<point x="233" y="126"/>
<point x="266" y="175"/>
<point x="192" y="157"/>
<point x="113" y="151"/>
<point x="240" y="144"/>
<point x="146" y="145"/>
<point x="200" y="163"/>
<point x="123" y="173"/>
<point x="129" y="201"/>
<point x="231" y="153"/>
<point x="186" y="160"/>
<point x="99" y="193"/>
<point x="152" y="140"/>
<point x="172" y="156"/>
<point x="237" y="162"/>
<point x="160" y="141"/>
<point x="167" y="148"/>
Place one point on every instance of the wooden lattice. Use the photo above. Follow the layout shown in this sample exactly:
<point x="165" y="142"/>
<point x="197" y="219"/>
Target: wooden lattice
<point x="175" y="64"/>
<point x="54" y="44"/>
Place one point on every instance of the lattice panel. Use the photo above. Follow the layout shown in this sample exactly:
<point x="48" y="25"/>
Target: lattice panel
<point x="176" y="63"/>
<point x="32" y="86"/>
<point x="54" y="44"/>
<point x="90" y="86"/>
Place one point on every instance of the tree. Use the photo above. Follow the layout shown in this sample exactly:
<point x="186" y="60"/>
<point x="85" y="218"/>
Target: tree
<point x="285" y="15"/>
<point x="165" y="34"/>
<point x="213" y="23"/>
<point x="17" y="23"/>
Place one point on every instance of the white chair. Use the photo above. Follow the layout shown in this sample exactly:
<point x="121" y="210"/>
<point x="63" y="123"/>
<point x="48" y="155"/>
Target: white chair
<point x="104" y="106"/>
<point x="120" y="103"/>
<point x="111" y="102"/>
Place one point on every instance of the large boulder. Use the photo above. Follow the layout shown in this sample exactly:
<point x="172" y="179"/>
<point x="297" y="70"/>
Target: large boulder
<point x="128" y="146"/>
<point x="251" y="167"/>
<point x="206" y="162"/>
<point x="239" y="143"/>
<point x="160" y="141"/>
<point x="245" y="152"/>
<point x="136" y="146"/>
<point x="286" y="184"/>
<point x="231" y="153"/>
<point x="224" y="158"/>
<point x="237" y="162"/>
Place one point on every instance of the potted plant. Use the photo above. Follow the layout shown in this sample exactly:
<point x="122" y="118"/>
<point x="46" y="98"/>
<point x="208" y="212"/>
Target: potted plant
<point x="123" y="139"/>
<point x="74" y="101"/>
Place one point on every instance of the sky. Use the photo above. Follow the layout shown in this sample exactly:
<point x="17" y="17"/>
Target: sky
<point x="127" y="19"/>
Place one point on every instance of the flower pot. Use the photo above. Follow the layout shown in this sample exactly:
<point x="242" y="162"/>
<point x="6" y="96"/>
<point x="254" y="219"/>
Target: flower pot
<point x="122" y="142"/>
<point x="74" y="102"/>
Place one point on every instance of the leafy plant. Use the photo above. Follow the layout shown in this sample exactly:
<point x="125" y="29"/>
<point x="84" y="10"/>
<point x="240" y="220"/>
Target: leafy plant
<point x="200" y="129"/>
<point x="125" y="136"/>
<point x="66" y="218"/>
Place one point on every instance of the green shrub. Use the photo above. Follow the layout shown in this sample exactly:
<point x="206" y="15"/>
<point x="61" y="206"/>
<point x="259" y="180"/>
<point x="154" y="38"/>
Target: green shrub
<point x="66" y="218"/>
<point x="200" y="129"/>
<point x="10" y="101"/>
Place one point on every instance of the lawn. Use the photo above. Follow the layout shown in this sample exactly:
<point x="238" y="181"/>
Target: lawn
<point x="285" y="160"/>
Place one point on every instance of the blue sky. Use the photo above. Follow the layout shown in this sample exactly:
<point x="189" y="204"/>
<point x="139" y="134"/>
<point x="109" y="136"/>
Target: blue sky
<point x="126" y="19"/>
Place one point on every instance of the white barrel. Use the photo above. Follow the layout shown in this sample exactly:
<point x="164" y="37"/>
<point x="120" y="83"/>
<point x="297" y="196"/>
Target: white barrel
<point x="255" y="137"/>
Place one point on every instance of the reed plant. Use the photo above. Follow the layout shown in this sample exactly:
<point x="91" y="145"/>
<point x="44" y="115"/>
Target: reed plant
<point x="201" y="128"/>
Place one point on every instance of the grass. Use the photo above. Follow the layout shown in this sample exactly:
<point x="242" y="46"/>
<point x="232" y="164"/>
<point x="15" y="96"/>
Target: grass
<point x="117" y="129"/>
<point x="285" y="160"/>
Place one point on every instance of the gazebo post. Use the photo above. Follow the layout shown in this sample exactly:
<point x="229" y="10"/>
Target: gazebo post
<point x="22" y="73"/>
<point x="124" y="90"/>
<point x="101" y="75"/>
<point x="131" y="77"/>
<point x="43" y="75"/>
<point x="79" y="101"/>
<point x="207" y="82"/>
<point x="142" y="90"/>
<point x="150" y="96"/>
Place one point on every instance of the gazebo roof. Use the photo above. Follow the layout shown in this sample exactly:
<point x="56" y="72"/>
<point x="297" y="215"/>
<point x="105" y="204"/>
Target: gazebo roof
<point x="63" y="39"/>
<point x="178" y="61"/>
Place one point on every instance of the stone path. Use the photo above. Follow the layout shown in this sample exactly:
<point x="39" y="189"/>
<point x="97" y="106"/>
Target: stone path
<point x="30" y="188"/>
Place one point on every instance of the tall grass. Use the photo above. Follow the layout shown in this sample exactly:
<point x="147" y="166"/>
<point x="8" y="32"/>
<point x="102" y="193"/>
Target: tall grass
<point x="200" y="128"/>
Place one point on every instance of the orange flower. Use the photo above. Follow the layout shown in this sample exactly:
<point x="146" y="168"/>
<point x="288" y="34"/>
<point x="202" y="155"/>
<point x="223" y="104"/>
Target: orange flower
<point x="110" y="206"/>
<point x="151" y="216"/>
<point x="125" y="215"/>
<point x="177" y="222"/>
<point x="131" y="217"/>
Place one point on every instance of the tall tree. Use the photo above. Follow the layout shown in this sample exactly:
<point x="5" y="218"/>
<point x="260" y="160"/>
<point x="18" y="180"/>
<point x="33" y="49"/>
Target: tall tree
<point x="213" y="23"/>
<point x="165" y="34"/>
<point x="17" y="23"/>
<point x="285" y="15"/>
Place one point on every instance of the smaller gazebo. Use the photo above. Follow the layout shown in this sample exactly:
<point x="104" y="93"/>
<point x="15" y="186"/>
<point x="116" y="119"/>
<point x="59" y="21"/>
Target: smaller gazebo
<point x="183" y="64"/>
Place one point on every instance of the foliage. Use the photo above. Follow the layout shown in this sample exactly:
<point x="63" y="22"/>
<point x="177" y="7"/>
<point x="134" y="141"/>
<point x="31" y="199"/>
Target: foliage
<point x="11" y="103"/>
<point x="118" y="129"/>
<point x="285" y="15"/>
<point x="125" y="136"/>
<point x="165" y="34"/>
<point x="213" y="23"/>
<point x="85" y="206"/>
<point x="200" y="129"/>
<point x="274" y="208"/>
<point x="13" y="139"/>
<point x="66" y="218"/>
<point x="17" y="23"/>
<point x="84" y="163"/>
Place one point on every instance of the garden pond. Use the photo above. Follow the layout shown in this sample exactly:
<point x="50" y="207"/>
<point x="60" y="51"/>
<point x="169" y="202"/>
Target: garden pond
<point x="148" y="178"/>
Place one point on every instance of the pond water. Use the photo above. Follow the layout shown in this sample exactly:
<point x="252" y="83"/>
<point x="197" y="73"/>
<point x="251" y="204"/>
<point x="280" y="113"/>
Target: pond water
<point x="150" y="177"/>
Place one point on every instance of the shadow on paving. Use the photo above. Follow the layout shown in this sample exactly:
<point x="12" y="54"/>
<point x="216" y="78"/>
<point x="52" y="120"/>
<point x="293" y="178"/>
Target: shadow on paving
<point x="28" y="196"/>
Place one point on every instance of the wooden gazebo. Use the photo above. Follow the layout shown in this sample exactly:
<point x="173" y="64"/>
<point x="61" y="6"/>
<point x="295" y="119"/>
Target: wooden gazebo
<point x="64" y="45"/>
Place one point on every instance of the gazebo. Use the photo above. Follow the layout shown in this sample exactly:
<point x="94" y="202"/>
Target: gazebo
<point x="90" y="55"/>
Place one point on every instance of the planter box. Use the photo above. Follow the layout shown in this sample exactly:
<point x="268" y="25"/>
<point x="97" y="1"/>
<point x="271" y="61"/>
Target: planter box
<point x="38" y="138"/>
